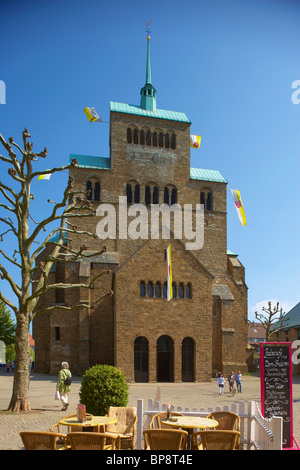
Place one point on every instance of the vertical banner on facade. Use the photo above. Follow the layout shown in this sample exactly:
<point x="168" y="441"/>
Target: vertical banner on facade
<point x="169" y="286"/>
<point x="276" y="385"/>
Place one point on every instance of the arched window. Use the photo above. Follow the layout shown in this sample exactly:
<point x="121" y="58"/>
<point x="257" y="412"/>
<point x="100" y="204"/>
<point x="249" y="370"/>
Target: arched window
<point x="155" y="195"/>
<point x="155" y="140"/>
<point x="147" y="195"/>
<point x="142" y="137"/>
<point x="148" y="138"/>
<point x="161" y="140"/>
<point x="93" y="190"/>
<point x="174" y="288"/>
<point x="181" y="291"/>
<point x="170" y="195"/>
<point x="206" y="198"/>
<point x="150" y="292"/>
<point x="129" y="193"/>
<point x="135" y="136"/>
<point x="142" y="289"/>
<point x="141" y="359"/>
<point x="166" y="195"/>
<point x="129" y="136"/>
<point x="165" y="290"/>
<point x="188" y="291"/>
<point x="137" y="193"/>
<point x="173" y="196"/>
<point x="167" y="141"/>
<point x="89" y="190"/>
<point x="173" y="141"/>
<point x="158" y="290"/>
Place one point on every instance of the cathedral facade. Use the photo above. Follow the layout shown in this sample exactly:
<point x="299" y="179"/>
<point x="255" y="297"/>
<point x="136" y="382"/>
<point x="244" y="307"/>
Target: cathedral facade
<point x="203" y="328"/>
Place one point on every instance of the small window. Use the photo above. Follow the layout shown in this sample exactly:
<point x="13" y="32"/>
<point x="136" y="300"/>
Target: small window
<point x="188" y="291"/>
<point x="129" y="193"/>
<point x="135" y="136"/>
<point x="142" y="137"/>
<point x="57" y="333"/>
<point x="148" y="138"/>
<point x="167" y="141"/>
<point x="165" y="290"/>
<point x="97" y="191"/>
<point x="181" y="291"/>
<point x="137" y="193"/>
<point x="155" y="195"/>
<point x="89" y="190"/>
<point x="147" y="195"/>
<point x="129" y="135"/>
<point x="158" y="290"/>
<point x="150" y="291"/>
<point x="209" y="202"/>
<point x="174" y="289"/>
<point x="173" y="141"/>
<point x="142" y="289"/>
<point x="166" y="195"/>
<point x="161" y="140"/>
<point x="154" y="139"/>
<point x="174" y="196"/>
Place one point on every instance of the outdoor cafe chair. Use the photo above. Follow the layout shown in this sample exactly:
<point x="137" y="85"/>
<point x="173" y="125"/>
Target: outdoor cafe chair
<point x="215" y="440"/>
<point x="38" y="440"/>
<point x="125" y="426"/>
<point x="93" y="441"/>
<point x="227" y="420"/>
<point x="155" y="422"/>
<point x="165" y="439"/>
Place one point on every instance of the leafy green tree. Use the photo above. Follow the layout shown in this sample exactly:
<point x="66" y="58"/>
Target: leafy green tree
<point x="7" y="326"/>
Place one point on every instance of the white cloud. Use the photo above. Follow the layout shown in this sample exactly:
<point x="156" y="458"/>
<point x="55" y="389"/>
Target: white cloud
<point x="286" y="305"/>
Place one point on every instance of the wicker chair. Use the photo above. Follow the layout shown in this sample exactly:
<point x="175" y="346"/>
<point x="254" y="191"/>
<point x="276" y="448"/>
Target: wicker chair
<point x="216" y="440"/>
<point x="38" y="440"/>
<point x="165" y="439"/>
<point x="93" y="441"/>
<point x="227" y="422"/>
<point x="155" y="422"/>
<point x="125" y="425"/>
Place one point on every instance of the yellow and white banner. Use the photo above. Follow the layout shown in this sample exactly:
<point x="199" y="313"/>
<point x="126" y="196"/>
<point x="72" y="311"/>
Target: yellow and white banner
<point x="169" y="286"/>
<point x="44" y="177"/>
<point x="92" y="115"/>
<point x="195" y="141"/>
<point x="239" y="206"/>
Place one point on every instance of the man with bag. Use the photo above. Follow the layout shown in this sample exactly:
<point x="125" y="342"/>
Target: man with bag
<point x="63" y="385"/>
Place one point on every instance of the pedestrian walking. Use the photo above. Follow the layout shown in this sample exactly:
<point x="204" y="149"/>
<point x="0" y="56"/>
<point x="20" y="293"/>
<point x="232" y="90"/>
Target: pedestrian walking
<point x="7" y="367"/>
<point x="231" y="381"/>
<point x="238" y="381"/>
<point x="221" y="382"/>
<point x="63" y="385"/>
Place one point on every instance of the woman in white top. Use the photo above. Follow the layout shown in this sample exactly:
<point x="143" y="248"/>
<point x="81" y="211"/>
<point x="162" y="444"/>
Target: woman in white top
<point x="221" y="382"/>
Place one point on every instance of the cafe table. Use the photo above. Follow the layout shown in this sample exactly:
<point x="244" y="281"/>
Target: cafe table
<point x="89" y="424"/>
<point x="189" y="423"/>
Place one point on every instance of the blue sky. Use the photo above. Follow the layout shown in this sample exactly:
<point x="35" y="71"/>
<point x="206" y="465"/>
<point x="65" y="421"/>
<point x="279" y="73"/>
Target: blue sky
<point x="228" y="65"/>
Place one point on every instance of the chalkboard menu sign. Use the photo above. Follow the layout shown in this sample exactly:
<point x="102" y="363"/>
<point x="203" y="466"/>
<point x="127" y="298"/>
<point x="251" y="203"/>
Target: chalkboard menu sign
<point x="276" y="385"/>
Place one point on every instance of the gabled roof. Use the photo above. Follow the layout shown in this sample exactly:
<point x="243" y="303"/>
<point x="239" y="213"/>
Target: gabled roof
<point x="206" y="175"/>
<point x="138" y="111"/>
<point x="293" y="317"/>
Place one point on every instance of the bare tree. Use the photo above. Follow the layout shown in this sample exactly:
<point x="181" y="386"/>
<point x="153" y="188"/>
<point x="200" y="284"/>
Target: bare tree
<point x="16" y="205"/>
<point x="270" y="321"/>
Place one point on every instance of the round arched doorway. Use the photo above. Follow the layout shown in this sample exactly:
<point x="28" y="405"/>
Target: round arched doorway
<point x="164" y="359"/>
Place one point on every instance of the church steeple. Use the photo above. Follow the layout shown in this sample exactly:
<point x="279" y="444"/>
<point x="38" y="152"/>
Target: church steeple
<point x="148" y="92"/>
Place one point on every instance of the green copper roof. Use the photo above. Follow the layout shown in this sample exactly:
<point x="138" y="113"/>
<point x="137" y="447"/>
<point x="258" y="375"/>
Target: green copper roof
<point x="206" y="175"/>
<point x="158" y="113"/>
<point x="148" y="92"/>
<point x="86" y="161"/>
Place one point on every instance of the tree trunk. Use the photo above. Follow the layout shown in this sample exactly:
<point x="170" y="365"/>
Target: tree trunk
<point x="20" y="394"/>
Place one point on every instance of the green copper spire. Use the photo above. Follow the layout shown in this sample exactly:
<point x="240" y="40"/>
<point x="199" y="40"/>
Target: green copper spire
<point x="148" y="92"/>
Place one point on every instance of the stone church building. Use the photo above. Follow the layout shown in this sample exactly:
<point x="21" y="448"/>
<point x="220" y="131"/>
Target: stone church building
<point x="203" y="328"/>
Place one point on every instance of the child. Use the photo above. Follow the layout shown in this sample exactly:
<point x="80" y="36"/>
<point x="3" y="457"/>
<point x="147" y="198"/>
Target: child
<point x="221" y="382"/>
